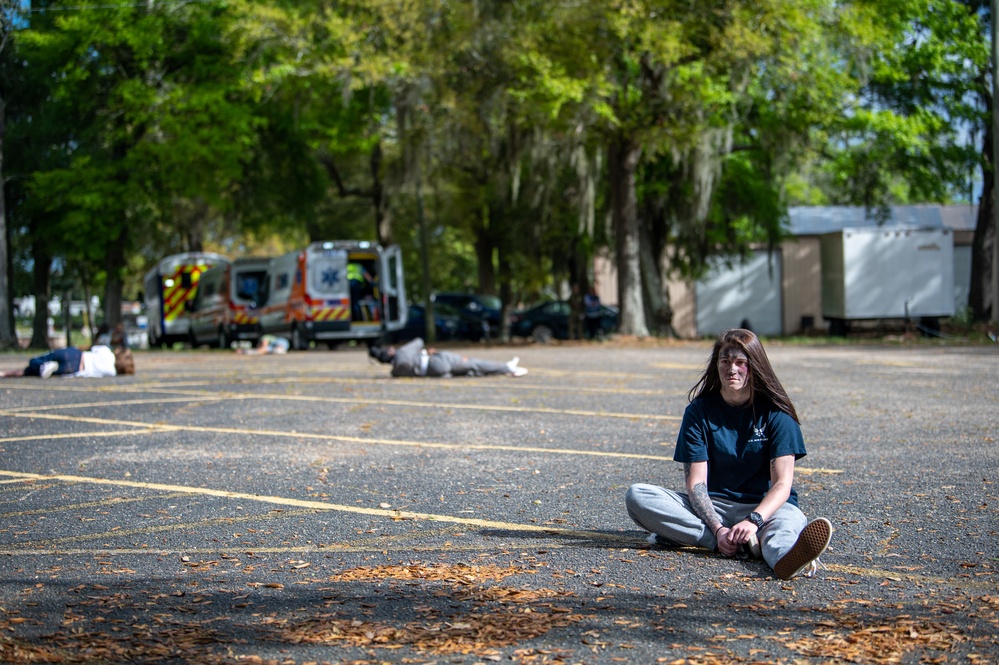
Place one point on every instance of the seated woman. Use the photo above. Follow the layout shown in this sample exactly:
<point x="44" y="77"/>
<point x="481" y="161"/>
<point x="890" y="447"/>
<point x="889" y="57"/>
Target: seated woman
<point x="738" y="443"/>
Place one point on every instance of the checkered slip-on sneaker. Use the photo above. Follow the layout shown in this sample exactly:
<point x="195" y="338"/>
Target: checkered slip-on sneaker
<point x="812" y="542"/>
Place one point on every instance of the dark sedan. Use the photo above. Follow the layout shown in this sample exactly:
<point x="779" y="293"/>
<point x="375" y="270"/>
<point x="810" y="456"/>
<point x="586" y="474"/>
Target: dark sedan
<point x="550" y="320"/>
<point x="479" y="312"/>
<point x="449" y="324"/>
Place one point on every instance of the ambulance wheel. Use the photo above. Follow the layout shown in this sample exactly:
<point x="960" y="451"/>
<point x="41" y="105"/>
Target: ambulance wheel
<point x="223" y="339"/>
<point x="298" y="340"/>
<point x="192" y="339"/>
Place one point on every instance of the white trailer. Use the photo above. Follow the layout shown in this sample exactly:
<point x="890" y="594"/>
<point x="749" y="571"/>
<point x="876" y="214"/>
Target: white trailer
<point x="880" y="273"/>
<point x="749" y="290"/>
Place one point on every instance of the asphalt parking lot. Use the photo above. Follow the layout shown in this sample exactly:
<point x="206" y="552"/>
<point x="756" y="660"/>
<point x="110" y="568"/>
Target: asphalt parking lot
<point x="307" y="508"/>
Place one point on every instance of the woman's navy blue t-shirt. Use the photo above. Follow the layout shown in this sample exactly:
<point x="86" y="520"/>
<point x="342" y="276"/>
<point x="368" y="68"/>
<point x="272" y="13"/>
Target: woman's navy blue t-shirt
<point x="738" y="443"/>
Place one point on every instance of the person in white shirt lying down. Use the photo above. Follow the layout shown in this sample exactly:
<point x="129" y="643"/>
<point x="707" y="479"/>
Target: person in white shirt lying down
<point x="100" y="361"/>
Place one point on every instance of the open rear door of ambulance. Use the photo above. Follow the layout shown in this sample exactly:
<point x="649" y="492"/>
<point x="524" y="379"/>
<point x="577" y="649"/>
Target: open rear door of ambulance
<point x="393" y="288"/>
<point x="327" y="289"/>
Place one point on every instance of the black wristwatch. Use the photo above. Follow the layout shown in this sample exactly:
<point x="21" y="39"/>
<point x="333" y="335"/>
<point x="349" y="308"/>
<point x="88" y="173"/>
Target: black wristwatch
<point x="756" y="519"/>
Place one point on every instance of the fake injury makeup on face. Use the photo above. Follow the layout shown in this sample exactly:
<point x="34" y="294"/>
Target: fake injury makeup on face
<point x="733" y="356"/>
<point x="733" y="371"/>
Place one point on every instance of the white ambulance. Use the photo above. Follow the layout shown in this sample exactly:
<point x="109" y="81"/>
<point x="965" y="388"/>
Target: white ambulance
<point x="335" y="291"/>
<point x="168" y="288"/>
<point x="226" y="307"/>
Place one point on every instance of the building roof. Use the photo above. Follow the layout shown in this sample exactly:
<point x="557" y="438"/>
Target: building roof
<point x="816" y="220"/>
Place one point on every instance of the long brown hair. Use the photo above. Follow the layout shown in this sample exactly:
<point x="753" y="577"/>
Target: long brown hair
<point x="763" y="381"/>
<point x="124" y="363"/>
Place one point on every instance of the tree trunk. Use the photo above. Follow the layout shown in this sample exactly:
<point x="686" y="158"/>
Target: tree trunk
<point x="980" y="294"/>
<point x="655" y="238"/>
<point x="113" y="287"/>
<point x="622" y="166"/>
<point x="484" y="246"/>
<point x="654" y="277"/>
<point x="506" y="295"/>
<point x="383" y="217"/>
<point x="429" y="319"/>
<point x="41" y="288"/>
<point x="8" y="338"/>
<point x="579" y="283"/>
<point x="190" y="215"/>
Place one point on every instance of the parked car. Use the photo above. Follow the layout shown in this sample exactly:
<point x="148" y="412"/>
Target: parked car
<point x="480" y="312"/>
<point x="550" y="320"/>
<point x="447" y="323"/>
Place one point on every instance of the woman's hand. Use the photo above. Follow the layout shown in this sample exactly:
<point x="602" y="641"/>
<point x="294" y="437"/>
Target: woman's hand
<point x="725" y="545"/>
<point x="740" y="533"/>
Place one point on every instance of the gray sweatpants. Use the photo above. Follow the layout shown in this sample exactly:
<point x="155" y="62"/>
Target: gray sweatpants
<point x="669" y="514"/>
<point x="445" y="363"/>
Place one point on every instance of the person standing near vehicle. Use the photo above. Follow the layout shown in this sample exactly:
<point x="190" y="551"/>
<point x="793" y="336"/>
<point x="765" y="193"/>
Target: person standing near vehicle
<point x="592" y="313"/>
<point x="738" y="442"/>
<point x="361" y="284"/>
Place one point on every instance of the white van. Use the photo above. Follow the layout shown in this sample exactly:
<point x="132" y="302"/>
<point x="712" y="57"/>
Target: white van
<point x="313" y="298"/>
<point x="168" y="287"/>
<point x="226" y="306"/>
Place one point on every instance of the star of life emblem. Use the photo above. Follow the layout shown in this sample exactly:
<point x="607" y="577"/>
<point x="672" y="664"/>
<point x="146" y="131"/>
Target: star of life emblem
<point x="330" y="277"/>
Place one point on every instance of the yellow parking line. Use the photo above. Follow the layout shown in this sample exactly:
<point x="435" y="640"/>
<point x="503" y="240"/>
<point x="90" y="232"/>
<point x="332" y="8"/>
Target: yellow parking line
<point x="80" y="435"/>
<point x="307" y="506"/>
<point x="158" y="428"/>
<point x="384" y="382"/>
<point x="370" y="543"/>
<point x="160" y="528"/>
<point x="334" y="437"/>
<point x="408" y="383"/>
<point x="685" y="366"/>
<point x="909" y="577"/>
<point x="128" y="402"/>
<point x="216" y="396"/>
<point x="113" y="501"/>
<point x="251" y="550"/>
<point x="812" y="470"/>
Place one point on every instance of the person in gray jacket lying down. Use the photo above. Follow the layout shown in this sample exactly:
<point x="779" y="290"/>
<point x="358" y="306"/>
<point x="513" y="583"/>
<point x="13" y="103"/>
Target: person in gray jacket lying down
<point x="413" y="359"/>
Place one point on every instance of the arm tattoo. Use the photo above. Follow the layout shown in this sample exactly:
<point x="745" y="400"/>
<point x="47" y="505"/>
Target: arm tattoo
<point x="703" y="507"/>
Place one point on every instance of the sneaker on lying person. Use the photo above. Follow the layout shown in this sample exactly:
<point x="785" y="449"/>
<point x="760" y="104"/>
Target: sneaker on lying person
<point x="514" y="369"/>
<point x="48" y="369"/>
